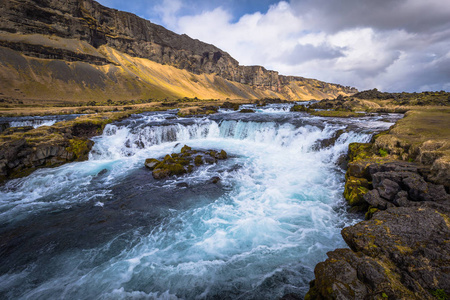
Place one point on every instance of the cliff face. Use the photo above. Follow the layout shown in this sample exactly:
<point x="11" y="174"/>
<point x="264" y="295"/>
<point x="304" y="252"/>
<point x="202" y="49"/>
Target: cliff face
<point x="98" y="26"/>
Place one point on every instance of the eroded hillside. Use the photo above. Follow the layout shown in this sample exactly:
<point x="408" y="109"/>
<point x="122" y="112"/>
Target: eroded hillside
<point x="81" y="50"/>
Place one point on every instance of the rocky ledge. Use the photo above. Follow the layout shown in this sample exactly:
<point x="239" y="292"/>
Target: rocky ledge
<point x="24" y="149"/>
<point x="183" y="162"/>
<point x="402" y="249"/>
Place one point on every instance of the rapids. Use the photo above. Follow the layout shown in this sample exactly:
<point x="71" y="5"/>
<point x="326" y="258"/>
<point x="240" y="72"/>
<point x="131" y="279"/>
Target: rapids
<point x="105" y="229"/>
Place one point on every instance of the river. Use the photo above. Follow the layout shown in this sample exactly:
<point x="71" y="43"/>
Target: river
<point x="105" y="229"/>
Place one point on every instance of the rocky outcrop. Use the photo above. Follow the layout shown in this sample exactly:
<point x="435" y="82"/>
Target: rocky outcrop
<point x="87" y="20"/>
<point x="186" y="161"/>
<point x="401" y="253"/>
<point x="22" y="152"/>
<point x="402" y="250"/>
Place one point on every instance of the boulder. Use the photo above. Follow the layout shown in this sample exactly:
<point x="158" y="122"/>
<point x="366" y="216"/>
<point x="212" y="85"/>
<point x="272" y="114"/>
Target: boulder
<point x="398" y="254"/>
<point x="151" y="163"/>
<point x="388" y="189"/>
<point x="177" y="164"/>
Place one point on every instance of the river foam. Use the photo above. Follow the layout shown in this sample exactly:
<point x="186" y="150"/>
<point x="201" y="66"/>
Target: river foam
<point x="256" y="235"/>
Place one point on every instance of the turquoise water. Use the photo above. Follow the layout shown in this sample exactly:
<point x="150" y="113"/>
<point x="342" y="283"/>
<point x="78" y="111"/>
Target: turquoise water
<point x="105" y="229"/>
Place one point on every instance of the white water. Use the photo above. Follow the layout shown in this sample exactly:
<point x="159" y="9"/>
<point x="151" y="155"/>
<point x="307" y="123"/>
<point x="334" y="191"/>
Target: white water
<point x="34" y="123"/>
<point x="280" y="212"/>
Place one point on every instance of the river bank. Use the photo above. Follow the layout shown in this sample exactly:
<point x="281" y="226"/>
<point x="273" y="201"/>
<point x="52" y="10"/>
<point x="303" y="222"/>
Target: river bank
<point x="402" y="251"/>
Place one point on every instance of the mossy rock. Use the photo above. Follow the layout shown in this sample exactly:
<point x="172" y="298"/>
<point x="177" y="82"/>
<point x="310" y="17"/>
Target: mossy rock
<point x="355" y="189"/>
<point x="370" y="212"/>
<point x="180" y="163"/>
<point x="160" y="173"/>
<point x="358" y="151"/>
<point x="359" y="168"/>
<point x="176" y="169"/>
<point x="198" y="160"/>
<point x="151" y="163"/>
<point x="300" y="108"/>
<point x="222" y="155"/>
<point x="80" y="148"/>
<point x="168" y="159"/>
<point x="185" y="149"/>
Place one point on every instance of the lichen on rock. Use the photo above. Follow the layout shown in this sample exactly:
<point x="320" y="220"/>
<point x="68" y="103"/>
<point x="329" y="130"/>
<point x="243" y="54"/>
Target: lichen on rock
<point x="177" y="164"/>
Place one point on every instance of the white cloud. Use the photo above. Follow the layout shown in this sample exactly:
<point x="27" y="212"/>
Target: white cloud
<point x="167" y="11"/>
<point x="366" y="51"/>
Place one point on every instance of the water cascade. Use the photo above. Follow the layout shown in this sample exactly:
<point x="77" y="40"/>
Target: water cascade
<point x="105" y="229"/>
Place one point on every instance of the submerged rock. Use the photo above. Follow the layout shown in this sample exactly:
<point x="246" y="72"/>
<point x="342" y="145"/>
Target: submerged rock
<point x="246" y="110"/>
<point x="177" y="164"/>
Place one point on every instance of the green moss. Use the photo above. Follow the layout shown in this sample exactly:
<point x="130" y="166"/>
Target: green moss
<point x="382" y="152"/>
<point x="80" y="148"/>
<point x="357" y="151"/>
<point x="355" y="189"/>
<point x="222" y="155"/>
<point x="175" y="169"/>
<point x="299" y="108"/>
<point x="168" y="159"/>
<point x="185" y="148"/>
<point x="440" y="294"/>
<point x="370" y="212"/>
<point x="198" y="160"/>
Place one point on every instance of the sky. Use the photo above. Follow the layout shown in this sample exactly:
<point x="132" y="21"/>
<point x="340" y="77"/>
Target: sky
<point x="391" y="45"/>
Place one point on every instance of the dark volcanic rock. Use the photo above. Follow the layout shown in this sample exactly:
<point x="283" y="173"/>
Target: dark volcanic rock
<point x="403" y="250"/>
<point x="398" y="254"/>
<point x="388" y="189"/>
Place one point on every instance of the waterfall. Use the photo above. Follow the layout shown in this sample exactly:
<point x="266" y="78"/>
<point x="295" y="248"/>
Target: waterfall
<point x="116" y="233"/>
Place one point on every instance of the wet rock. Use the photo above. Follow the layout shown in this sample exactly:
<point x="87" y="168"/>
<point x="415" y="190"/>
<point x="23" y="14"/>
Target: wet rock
<point x="325" y="143"/>
<point x="246" y="110"/>
<point x="151" y="163"/>
<point x="102" y="172"/>
<point x="215" y="179"/>
<point x="177" y="164"/>
<point x="160" y="173"/>
<point x="182" y="185"/>
<point x="209" y="159"/>
<point x="222" y="155"/>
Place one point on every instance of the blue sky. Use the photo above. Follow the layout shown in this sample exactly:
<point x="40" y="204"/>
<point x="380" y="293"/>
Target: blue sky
<point x="392" y="45"/>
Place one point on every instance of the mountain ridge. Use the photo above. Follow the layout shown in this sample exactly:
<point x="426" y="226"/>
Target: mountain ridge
<point x="44" y="29"/>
